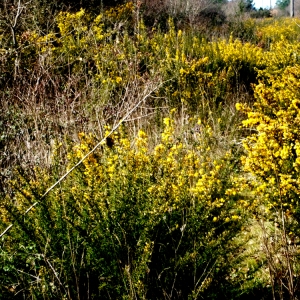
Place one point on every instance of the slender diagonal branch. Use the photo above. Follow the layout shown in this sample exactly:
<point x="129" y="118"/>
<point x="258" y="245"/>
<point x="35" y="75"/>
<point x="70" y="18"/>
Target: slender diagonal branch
<point x="89" y="153"/>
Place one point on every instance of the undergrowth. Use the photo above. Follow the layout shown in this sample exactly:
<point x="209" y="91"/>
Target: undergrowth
<point x="194" y="196"/>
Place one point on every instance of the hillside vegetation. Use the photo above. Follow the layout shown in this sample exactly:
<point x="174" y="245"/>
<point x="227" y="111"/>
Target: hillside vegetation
<point x="186" y="141"/>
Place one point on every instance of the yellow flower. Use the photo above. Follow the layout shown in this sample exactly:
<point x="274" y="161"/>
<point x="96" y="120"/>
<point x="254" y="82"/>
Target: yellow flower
<point x="118" y="79"/>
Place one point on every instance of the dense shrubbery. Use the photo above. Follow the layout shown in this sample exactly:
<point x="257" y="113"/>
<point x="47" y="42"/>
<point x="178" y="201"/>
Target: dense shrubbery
<point x="273" y="158"/>
<point x="165" y="209"/>
<point x="129" y="222"/>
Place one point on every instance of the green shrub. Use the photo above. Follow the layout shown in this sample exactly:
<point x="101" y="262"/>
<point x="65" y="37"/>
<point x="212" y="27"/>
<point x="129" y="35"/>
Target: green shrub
<point x="128" y="222"/>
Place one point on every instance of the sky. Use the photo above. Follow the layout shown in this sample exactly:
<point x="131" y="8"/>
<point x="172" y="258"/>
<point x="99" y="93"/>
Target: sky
<point x="264" y="3"/>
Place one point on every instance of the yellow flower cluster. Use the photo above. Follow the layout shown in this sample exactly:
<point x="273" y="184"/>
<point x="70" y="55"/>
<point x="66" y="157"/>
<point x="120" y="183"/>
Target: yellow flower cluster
<point x="274" y="30"/>
<point x="173" y="176"/>
<point x="198" y="69"/>
<point x="273" y="150"/>
<point x="121" y="12"/>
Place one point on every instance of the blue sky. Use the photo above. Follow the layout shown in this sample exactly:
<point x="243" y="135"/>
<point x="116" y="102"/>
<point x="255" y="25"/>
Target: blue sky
<point x="264" y="3"/>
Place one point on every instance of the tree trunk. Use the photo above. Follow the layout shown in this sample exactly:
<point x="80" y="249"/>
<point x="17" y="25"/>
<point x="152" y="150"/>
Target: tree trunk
<point x="292" y="9"/>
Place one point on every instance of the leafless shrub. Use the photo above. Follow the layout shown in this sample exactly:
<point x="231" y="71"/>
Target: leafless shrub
<point x="193" y="11"/>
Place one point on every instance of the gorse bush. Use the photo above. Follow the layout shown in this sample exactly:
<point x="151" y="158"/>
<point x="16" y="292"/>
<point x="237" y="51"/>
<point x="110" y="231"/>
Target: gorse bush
<point x="129" y="222"/>
<point x="273" y="149"/>
<point x="165" y="209"/>
<point x="273" y="158"/>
